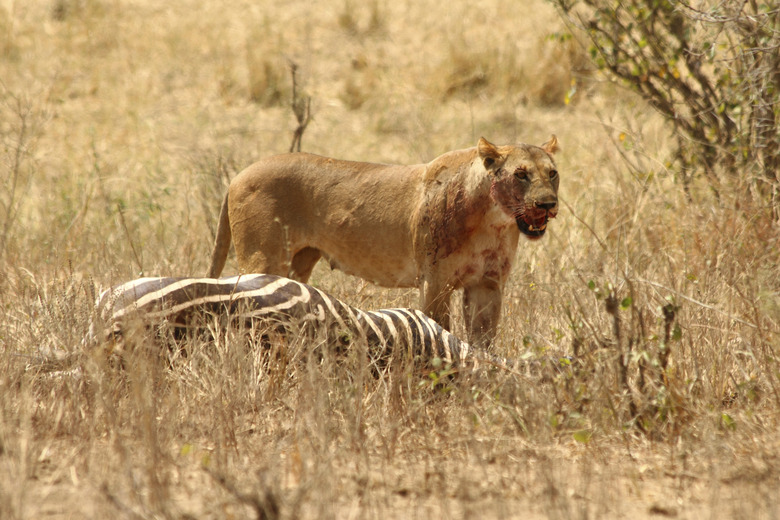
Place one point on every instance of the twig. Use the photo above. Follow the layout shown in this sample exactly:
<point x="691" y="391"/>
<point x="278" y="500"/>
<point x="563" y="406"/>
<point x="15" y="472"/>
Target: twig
<point x="266" y="508"/>
<point x="129" y="238"/>
<point x="701" y="304"/>
<point x="669" y="315"/>
<point x="19" y="146"/>
<point x="587" y="226"/>
<point x="301" y="108"/>
<point x="117" y="503"/>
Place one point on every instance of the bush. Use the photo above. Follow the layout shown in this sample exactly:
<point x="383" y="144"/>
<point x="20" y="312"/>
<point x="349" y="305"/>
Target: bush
<point x="714" y="75"/>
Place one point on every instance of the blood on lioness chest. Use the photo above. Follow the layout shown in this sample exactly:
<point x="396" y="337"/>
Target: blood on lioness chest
<point x="461" y="215"/>
<point x="475" y="234"/>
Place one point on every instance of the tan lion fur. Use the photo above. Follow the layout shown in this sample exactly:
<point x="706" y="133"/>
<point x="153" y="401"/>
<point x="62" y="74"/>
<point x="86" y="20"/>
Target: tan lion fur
<point x="449" y="224"/>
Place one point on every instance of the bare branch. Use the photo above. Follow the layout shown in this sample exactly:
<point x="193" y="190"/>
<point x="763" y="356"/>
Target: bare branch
<point x="301" y="108"/>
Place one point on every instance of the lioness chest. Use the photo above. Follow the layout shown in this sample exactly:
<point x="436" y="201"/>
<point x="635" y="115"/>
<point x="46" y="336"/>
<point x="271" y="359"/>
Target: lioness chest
<point x="484" y="250"/>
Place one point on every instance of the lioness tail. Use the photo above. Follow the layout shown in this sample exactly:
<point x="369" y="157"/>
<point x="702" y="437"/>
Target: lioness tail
<point x="221" y="242"/>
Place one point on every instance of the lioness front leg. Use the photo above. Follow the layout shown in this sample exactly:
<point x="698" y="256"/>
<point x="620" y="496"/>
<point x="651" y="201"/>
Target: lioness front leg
<point x="436" y="302"/>
<point x="482" y="310"/>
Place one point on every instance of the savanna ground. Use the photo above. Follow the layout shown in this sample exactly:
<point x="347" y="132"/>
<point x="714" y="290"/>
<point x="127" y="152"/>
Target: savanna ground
<point x="121" y="124"/>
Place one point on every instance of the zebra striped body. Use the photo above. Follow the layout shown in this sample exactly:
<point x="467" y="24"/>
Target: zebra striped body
<point x="268" y="300"/>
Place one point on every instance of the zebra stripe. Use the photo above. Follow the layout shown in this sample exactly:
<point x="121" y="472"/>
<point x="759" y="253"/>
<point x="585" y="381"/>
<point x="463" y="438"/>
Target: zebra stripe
<point x="259" y="298"/>
<point x="363" y="316"/>
<point x="329" y="301"/>
<point x="219" y="298"/>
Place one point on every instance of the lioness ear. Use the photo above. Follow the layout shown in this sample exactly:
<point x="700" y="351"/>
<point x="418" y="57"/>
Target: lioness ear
<point x="551" y="146"/>
<point x="488" y="153"/>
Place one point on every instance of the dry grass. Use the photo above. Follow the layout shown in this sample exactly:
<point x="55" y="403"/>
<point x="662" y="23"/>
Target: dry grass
<point x="120" y="123"/>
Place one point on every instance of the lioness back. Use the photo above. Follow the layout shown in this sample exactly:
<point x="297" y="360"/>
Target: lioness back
<point x="356" y="215"/>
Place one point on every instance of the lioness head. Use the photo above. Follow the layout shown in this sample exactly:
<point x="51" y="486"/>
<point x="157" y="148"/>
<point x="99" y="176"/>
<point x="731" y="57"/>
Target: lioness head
<point x="524" y="182"/>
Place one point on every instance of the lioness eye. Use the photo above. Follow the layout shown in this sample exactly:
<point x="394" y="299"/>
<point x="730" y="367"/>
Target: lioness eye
<point x="521" y="173"/>
<point x="553" y="174"/>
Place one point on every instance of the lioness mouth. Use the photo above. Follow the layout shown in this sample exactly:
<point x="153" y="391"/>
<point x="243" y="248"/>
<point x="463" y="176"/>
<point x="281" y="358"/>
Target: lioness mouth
<point x="532" y="227"/>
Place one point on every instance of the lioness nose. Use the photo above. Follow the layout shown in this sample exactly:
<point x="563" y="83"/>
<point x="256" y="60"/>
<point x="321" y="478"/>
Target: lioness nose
<point x="547" y="205"/>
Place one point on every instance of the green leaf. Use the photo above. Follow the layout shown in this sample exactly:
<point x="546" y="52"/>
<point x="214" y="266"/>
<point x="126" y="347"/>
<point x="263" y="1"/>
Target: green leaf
<point x="626" y="303"/>
<point x="582" y="436"/>
<point x="676" y="332"/>
<point x="591" y="285"/>
<point x="728" y="421"/>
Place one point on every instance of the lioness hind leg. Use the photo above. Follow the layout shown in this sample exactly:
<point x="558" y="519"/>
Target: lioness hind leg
<point x="303" y="263"/>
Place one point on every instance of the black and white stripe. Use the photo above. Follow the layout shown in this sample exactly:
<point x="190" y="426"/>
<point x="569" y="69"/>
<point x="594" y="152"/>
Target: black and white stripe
<point x="272" y="301"/>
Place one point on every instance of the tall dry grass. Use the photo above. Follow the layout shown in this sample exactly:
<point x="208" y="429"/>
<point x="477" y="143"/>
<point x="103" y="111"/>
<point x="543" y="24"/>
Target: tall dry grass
<point x="122" y="122"/>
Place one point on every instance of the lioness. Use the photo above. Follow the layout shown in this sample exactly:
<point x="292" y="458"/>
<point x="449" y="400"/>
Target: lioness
<point x="449" y="224"/>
